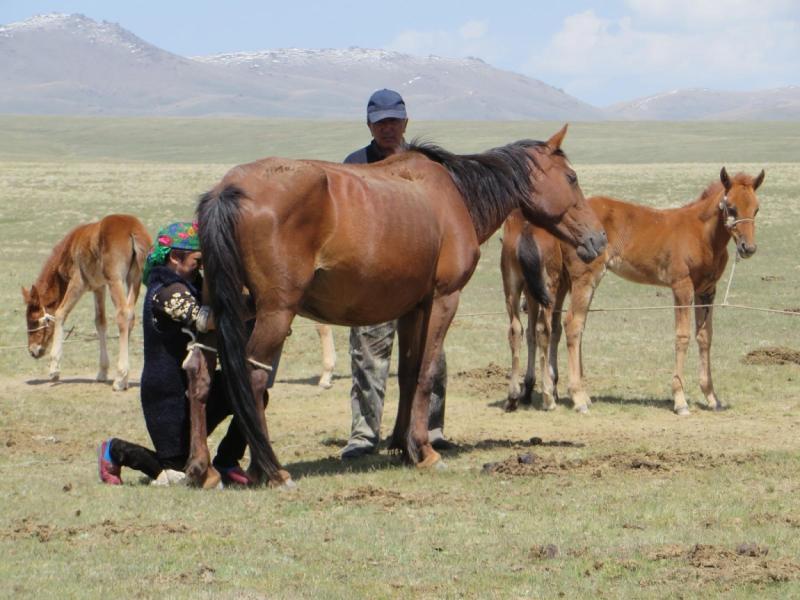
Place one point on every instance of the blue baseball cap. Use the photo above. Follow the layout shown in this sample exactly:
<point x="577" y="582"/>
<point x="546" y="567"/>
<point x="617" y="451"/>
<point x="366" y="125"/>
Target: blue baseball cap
<point x="385" y="104"/>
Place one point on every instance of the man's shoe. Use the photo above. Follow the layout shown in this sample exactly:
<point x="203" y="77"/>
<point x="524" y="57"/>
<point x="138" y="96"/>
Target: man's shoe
<point x="356" y="451"/>
<point x="443" y="444"/>
<point x="108" y="471"/>
<point x="234" y="476"/>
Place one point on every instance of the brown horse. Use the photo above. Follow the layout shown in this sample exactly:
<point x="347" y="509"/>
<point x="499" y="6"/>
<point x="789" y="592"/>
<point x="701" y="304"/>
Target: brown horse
<point x="363" y="244"/>
<point x="682" y="248"/>
<point x="531" y="262"/>
<point x="108" y="253"/>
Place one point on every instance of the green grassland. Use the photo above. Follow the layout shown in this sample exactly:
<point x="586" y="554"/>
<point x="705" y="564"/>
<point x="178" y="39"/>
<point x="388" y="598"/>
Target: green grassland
<point x="628" y="501"/>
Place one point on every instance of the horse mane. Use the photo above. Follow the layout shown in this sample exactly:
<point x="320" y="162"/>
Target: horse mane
<point x="491" y="183"/>
<point x="50" y="279"/>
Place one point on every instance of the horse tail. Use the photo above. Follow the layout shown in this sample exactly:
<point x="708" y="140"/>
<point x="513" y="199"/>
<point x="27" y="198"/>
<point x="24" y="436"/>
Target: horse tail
<point x="530" y="259"/>
<point x="140" y="246"/>
<point x="218" y="217"/>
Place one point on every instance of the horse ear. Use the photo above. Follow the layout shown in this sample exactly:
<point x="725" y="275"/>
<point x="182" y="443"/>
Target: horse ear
<point x="759" y="180"/>
<point x="26" y="295"/>
<point x="726" y="181"/>
<point x="555" y="142"/>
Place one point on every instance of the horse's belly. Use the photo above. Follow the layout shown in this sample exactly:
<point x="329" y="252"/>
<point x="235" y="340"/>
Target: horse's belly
<point x="344" y="298"/>
<point x="634" y="273"/>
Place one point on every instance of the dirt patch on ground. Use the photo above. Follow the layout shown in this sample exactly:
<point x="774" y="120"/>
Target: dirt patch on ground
<point x="746" y="563"/>
<point x="776" y="355"/>
<point x="44" y="532"/>
<point x="374" y="495"/>
<point x="530" y="464"/>
<point x="491" y="378"/>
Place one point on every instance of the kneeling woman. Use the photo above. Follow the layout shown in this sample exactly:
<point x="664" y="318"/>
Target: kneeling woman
<point x="173" y="303"/>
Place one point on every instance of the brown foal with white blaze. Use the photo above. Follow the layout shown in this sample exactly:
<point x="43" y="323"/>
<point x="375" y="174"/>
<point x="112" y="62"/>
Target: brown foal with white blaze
<point x="108" y="253"/>
<point x="684" y="249"/>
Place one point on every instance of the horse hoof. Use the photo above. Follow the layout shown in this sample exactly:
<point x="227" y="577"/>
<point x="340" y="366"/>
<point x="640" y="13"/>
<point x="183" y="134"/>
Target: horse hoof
<point x="119" y="386"/>
<point x="683" y="411"/>
<point x="430" y="461"/>
<point x="287" y="486"/>
<point x="549" y="407"/>
<point x="54" y="376"/>
<point x="510" y="406"/>
<point x="582" y="409"/>
<point x="213" y="480"/>
<point x="325" y="385"/>
<point x="102" y="376"/>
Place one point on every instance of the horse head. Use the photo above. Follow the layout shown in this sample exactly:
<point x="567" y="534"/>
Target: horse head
<point x="739" y="207"/>
<point x="558" y="203"/>
<point x="39" y="321"/>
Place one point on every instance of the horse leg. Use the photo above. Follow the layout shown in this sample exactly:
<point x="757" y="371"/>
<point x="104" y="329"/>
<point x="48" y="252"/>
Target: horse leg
<point x="263" y="346"/>
<point x="124" y="318"/>
<point x="100" y="326"/>
<point x="198" y="367"/>
<point x="581" y="293"/>
<point x="513" y="287"/>
<point x="421" y="337"/>
<point x="74" y="292"/>
<point x="533" y="309"/>
<point x="325" y="333"/>
<point x="553" y="314"/>
<point x="704" y="329"/>
<point x="683" y="294"/>
<point x="544" y="334"/>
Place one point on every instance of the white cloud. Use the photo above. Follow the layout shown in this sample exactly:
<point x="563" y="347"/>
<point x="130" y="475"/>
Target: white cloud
<point x="470" y="39"/>
<point x="711" y="14"/>
<point x="590" y="51"/>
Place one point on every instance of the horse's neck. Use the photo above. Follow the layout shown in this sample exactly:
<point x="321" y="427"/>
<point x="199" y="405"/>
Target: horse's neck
<point x="51" y="284"/>
<point x="714" y="228"/>
<point x="488" y="229"/>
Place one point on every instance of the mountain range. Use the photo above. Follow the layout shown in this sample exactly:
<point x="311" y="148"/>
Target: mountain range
<point x="73" y="65"/>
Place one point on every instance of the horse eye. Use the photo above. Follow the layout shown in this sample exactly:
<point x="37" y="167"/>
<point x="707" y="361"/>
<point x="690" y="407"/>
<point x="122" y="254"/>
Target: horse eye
<point x="572" y="178"/>
<point x="732" y="211"/>
<point x="755" y="213"/>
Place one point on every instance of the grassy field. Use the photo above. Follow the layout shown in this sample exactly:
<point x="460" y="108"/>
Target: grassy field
<point x="628" y="501"/>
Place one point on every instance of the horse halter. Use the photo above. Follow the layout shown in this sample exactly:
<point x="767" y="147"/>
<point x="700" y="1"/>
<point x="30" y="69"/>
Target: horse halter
<point x="43" y="322"/>
<point x="730" y="221"/>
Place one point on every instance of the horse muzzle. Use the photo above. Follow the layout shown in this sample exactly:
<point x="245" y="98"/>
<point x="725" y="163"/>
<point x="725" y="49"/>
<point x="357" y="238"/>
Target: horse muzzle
<point x="592" y="245"/>
<point x="745" y="250"/>
<point x="36" y="350"/>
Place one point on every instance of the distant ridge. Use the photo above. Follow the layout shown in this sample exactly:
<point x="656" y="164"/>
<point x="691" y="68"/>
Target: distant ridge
<point x="713" y="105"/>
<point x="70" y="64"/>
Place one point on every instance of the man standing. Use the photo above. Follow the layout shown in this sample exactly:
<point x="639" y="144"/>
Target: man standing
<point x="371" y="346"/>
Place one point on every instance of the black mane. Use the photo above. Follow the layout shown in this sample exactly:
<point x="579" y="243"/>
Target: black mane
<point x="492" y="183"/>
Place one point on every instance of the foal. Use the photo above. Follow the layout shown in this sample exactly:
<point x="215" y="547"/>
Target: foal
<point x="108" y="253"/>
<point x="531" y="262"/>
<point x="681" y="248"/>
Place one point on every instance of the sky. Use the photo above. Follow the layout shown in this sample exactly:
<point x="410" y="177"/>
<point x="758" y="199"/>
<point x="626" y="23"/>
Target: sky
<point x="599" y="52"/>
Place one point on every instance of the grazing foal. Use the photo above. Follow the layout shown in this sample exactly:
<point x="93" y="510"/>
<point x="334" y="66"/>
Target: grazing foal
<point x="108" y="253"/>
<point x="681" y="248"/>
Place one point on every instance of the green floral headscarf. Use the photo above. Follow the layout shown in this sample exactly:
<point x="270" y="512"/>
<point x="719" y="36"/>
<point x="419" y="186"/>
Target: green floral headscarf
<point x="181" y="236"/>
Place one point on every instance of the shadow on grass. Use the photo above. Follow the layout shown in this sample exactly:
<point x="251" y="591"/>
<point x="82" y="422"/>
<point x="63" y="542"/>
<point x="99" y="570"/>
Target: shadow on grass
<point x="310" y="380"/>
<point x="76" y="380"/>
<point x="383" y="460"/>
<point x="662" y="403"/>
